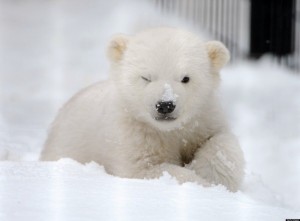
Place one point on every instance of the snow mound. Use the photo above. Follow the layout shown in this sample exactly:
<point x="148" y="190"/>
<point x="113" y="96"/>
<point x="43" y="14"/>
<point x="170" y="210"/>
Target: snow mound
<point x="67" y="190"/>
<point x="262" y="103"/>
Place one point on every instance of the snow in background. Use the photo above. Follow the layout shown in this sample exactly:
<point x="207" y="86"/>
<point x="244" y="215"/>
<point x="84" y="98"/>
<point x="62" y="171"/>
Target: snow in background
<point x="51" y="49"/>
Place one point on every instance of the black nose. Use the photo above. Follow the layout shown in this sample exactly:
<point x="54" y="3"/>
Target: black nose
<point x="165" y="107"/>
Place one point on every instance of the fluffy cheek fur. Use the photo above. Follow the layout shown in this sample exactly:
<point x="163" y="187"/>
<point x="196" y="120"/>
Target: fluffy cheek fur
<point x="130" y="95"/>
<point x="198" y="92"/>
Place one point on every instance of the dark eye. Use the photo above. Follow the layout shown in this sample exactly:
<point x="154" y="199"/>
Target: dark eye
<point x="145" y="79"/>
<point x="185" y="79"/>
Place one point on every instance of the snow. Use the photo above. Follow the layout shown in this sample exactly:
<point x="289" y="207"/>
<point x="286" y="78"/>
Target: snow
<point x="66" y="190"/>
<point x="262" y="103"/>
<point x="51" y="49"/>
<point x="168" y="94"/>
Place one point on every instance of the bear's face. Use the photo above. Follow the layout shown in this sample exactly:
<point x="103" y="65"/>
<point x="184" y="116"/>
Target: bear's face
<point x="164" y="76"/>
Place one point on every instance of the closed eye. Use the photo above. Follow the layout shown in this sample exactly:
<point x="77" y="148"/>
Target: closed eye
<point x="146" y="79"/>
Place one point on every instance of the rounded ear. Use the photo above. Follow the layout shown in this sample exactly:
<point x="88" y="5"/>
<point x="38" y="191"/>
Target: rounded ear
<point x="117" y="47"/>
<point x="218" y="54"/>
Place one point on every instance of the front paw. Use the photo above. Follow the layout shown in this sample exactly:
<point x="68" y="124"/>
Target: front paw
<point x="220" y="161"/>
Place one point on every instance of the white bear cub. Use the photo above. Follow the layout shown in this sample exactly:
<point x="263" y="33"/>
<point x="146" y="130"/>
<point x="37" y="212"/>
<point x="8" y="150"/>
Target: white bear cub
<point x="158" y="111"/>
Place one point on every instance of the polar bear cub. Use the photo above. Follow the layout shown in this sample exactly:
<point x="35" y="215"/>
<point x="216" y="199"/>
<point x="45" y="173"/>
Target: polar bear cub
<point x="157" y="112"/>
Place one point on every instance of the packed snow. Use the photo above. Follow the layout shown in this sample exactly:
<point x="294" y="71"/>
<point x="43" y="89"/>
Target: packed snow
<point x="66" y="190"/>
<point x="51" y="49"/>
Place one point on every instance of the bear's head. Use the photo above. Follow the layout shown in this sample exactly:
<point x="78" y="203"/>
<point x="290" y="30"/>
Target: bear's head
<point x="165" y="76"/>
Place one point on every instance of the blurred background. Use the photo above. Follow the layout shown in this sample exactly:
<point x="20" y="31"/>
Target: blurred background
<point x="50" y="49"/>
<point x="249" y="28"/>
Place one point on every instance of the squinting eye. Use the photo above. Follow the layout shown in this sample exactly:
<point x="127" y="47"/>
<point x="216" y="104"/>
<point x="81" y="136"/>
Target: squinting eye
<point x="185" y="79"/>
<point x="146" y="79"/>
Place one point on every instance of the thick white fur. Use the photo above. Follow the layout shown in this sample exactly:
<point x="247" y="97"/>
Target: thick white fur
<point x="113" y="122"/>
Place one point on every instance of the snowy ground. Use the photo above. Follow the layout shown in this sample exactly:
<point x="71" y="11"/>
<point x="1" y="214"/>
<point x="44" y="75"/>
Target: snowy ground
<point x="51" y="49"/>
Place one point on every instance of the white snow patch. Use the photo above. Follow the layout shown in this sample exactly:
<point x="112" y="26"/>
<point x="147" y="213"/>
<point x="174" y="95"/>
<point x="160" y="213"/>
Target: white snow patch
<point x="184" y="141"/>
<point x="168" y="94"/>
<point x="67" y="190"/>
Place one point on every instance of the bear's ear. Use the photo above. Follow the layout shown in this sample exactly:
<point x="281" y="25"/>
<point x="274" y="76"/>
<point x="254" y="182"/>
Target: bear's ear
<point x="117" y="47"/>
<point x="218" y="54"/>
